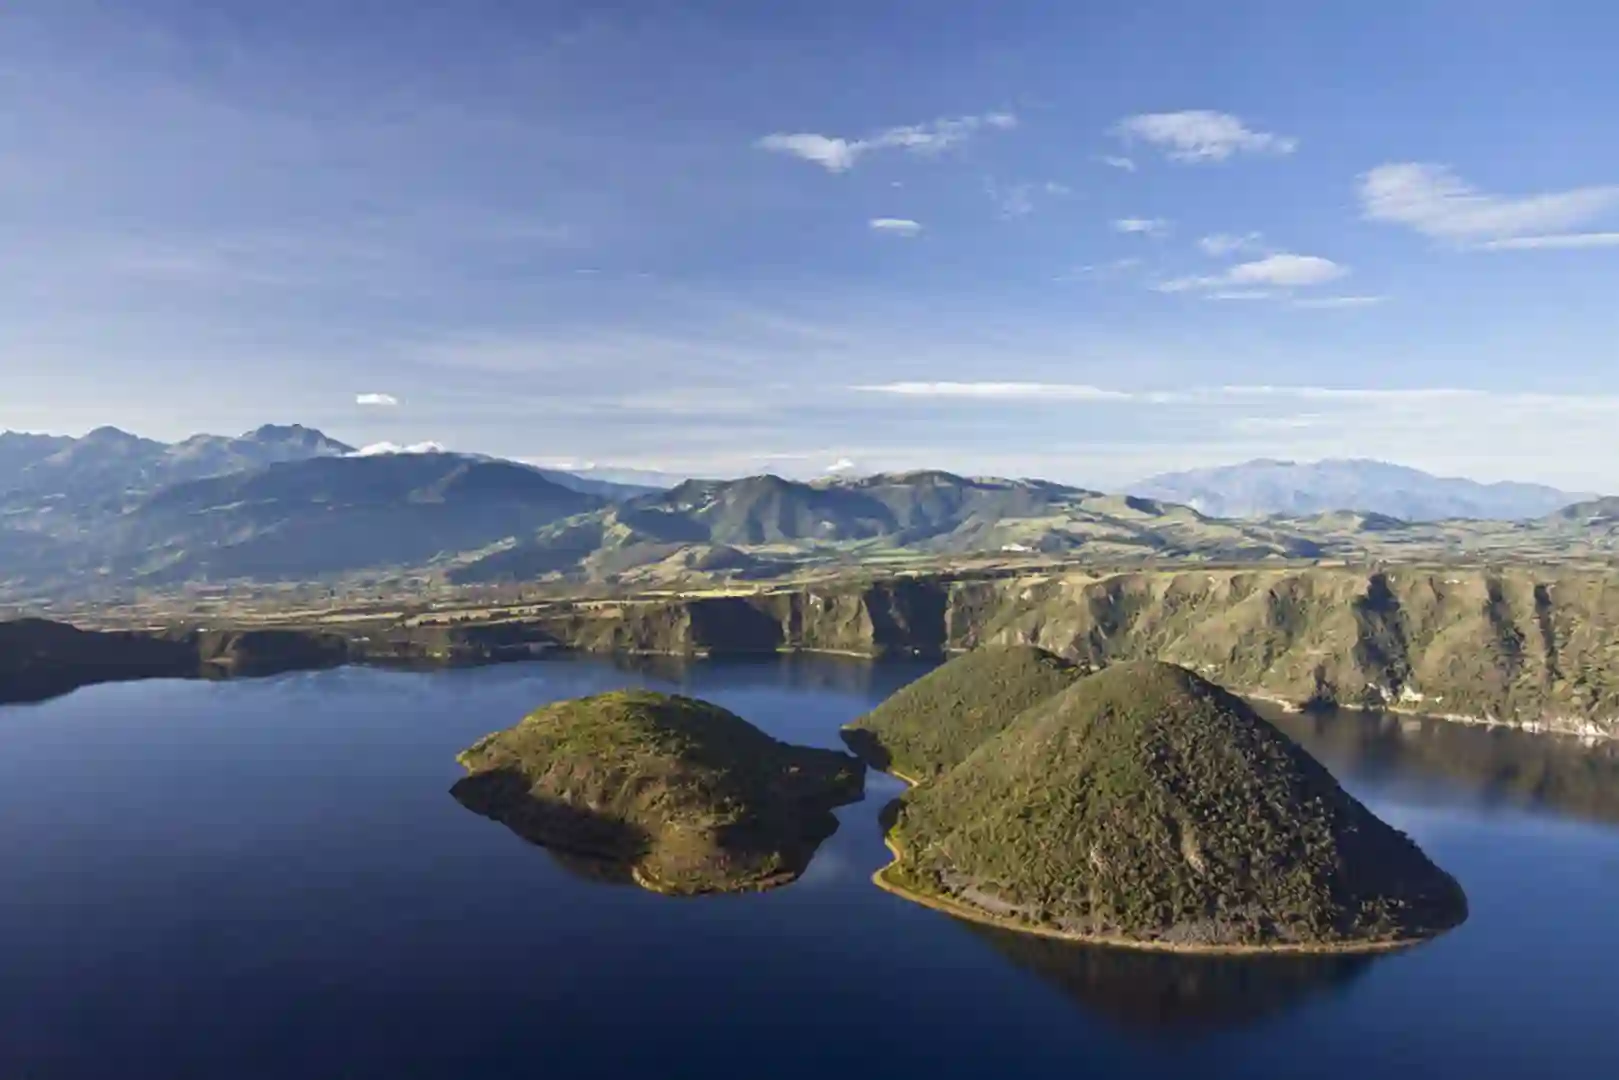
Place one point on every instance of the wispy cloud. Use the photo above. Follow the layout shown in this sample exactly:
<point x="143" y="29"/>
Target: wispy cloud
<point x="374" y="399"/>
<point x="1118" y="161"/>
<point x="1437" y="203"/>
<point x="842" y="465"/>
<point x="1142" y="226"/>
<point x="837" y="154"/>
<point x="896" y="226"/>
<point x="1242" y="294"/>
<point x="1258" y="394"/>
<point x="1339" y="301"/>
<point x="996" y="391"/>
<point x="1111" y="269"/>
<point x="1019" y="200"/>
<point x="1567" y="241"/>
<point x="831" y="153"/>
<point x="1222" y="244"/>
<point x="1282" y="271"/>
<point x="1201" y="135"/>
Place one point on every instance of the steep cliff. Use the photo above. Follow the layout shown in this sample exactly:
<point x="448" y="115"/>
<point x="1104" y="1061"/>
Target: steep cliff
<point x="1536" y="648"/>
<point x="1524" y="647"/>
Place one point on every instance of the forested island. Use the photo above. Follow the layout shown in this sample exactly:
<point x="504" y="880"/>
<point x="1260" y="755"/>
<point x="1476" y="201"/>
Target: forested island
<point x="679" y="795"/>
<point x="1139" y="805"/>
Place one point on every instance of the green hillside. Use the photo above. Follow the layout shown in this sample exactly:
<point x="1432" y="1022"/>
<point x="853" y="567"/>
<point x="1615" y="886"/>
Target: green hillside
<point x="681" y="795"/>
<point x="1146" y="805"/>
<point x="933" y="724"/>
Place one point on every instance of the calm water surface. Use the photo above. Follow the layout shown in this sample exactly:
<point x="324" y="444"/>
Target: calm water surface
<point x="269" y="879"/>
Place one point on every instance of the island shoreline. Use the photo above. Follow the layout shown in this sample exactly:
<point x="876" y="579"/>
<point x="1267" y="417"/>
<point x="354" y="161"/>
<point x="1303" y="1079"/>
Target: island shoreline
<point x="958" y="910"/>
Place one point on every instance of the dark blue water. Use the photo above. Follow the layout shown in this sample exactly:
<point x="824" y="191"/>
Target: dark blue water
<point x="269" y="879"/>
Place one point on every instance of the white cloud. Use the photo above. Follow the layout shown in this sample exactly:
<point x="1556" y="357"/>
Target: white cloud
<point x="896" y="226"/>
<point x="1200" y="135"/>
<point x="1262" y="424"/>
<point x="381" y="448"/>
<point x="1416" y="398"/>
<point x="997" y="391"/>
<point x="842" y="465"/>
<point x="1220" y="244"/>
<point x="1339" y="301"/>
<point x="832" y="154"/>
<point x="836" y="154"/>
<point x="1242" y="294"/>
<point x="1283" y="271"/>
<point x="384" y="400"/>
<point x="1142" y="226"/>
<point x="1435" y="202"/>
<point x="1118" y="162"/>
<point x="1563" y="240"/>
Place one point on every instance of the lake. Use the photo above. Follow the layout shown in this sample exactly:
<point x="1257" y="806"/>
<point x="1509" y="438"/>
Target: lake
<point x="269" y="878"/>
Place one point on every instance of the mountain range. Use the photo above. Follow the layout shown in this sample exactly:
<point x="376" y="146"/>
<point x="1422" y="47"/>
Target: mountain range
<point x="111" y="464"/>
<point x="96" y="515"/>
<point x="1264" y="487"/>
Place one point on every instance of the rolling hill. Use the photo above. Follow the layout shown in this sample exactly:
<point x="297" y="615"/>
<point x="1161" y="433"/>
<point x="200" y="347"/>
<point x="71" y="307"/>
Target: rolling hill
<point x="288" y="503"/>
<point x="934" y="513"/>
<point x="331" y="515"/>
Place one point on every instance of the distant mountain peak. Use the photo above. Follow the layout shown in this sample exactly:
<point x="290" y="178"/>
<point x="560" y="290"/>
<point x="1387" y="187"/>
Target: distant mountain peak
<point x="297" y="435"/>
<point x="1267" y="487"/>
<point x="109" y="434"/>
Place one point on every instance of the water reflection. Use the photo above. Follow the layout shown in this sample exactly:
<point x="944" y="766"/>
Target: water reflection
<point x="1174" y="993"/>
<point x="1495" y="765"/>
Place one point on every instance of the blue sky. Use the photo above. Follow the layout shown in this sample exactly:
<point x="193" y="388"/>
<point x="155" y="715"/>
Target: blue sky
<point x="1082" y="241"/>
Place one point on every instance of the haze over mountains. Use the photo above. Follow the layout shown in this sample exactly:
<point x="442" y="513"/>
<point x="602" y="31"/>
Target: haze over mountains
<point x="291" y="504"/>
<point x="109" y="463"/>
<point x="1263" y="487"/>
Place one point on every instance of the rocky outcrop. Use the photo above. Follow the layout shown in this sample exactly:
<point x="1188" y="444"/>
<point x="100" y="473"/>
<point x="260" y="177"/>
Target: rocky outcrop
<point x="1527" y="647"/>
<point x="40" y="659"/>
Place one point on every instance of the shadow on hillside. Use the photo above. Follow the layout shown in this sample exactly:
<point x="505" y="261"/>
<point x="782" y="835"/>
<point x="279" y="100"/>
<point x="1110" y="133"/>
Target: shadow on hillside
<point x="865" y="746"/>
<point x="586" y="844"/>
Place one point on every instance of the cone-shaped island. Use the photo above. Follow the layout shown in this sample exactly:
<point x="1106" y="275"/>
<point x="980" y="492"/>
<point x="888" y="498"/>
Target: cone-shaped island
<point x="1145" y="806"/>
<point x="682" y="795"/>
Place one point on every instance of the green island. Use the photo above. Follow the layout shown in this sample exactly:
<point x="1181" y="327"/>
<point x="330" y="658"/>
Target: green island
<point x="1145" y="806"/>
<point x="931" y="725"/>
<point x="676" y="794"/>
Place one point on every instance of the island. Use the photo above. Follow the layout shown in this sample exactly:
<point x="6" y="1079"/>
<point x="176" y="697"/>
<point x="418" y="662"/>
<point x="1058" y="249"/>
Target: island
<point x="1145" y="806"/>
<point x="677" y="794"/>
<point x="930" y="726"/>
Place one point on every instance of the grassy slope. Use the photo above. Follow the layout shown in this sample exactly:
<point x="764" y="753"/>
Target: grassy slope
<point x="933" y="724"/>
<point x="1146" y="804"/>
<point x="694" y="796"/>
<point x="1523" y="645"/>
